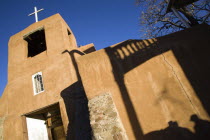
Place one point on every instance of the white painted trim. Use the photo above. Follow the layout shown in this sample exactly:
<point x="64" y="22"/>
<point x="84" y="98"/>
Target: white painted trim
<point x="33" y="82"/>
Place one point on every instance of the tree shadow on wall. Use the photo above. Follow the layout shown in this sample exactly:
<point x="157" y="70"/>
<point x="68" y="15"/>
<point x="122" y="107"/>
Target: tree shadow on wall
<point x="76" y="103"/>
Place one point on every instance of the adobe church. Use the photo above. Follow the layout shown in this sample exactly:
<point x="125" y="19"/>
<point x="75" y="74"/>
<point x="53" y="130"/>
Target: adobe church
<point x="155" y="89"/>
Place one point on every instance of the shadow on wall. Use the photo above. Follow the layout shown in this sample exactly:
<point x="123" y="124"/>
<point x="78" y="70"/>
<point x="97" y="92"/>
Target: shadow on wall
<point x="194" y="60"/>
<point x="175" y="132"/>
<point x="191" y="49"/>
<point x="77" y="107"/>
<point x="124" y="57"/>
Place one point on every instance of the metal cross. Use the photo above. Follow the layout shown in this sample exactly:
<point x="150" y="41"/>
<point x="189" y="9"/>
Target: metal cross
<point x="35" y="12"/>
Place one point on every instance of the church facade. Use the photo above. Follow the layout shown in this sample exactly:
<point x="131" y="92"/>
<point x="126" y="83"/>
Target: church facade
<point x="135" y="89"/>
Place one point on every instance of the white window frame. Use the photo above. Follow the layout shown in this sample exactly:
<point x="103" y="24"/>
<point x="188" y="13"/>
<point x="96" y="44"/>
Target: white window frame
<point x="34" y="83"/>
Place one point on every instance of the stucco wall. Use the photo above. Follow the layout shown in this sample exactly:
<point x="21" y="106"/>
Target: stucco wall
<point x="57" y="72"/>
<point x="1" y="127"/>
<point x="153" y="82"/>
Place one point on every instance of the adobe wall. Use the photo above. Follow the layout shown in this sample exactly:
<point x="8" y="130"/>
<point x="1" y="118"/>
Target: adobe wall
<point x="134" y="88"/>
<point x="57" y="70"/>
<point x="1" y="127"/>
<point x="150" y="82"/>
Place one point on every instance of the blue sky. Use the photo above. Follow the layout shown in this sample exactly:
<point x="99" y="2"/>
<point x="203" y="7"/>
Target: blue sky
<point x="102" y="22"/>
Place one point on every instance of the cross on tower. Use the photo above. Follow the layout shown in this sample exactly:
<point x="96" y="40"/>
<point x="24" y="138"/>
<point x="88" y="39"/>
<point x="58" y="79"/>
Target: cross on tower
<point x="35" y="12"/>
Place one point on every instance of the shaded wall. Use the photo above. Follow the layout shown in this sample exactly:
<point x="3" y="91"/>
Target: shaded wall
<point x="155" y="84"/>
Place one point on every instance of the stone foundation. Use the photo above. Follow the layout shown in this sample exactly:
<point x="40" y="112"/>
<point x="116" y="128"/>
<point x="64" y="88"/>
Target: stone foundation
<point x="104" y="119"/>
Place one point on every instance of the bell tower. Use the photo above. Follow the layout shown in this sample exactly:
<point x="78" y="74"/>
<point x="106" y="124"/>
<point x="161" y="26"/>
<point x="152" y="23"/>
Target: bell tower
<point x="39" y="42"/>
<point x="38" y="71"/>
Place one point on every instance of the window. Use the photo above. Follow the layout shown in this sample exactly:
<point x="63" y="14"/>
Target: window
<point x="37" y="83"/>
<point x="68" y="32"/>
<point x="36" y="42"/>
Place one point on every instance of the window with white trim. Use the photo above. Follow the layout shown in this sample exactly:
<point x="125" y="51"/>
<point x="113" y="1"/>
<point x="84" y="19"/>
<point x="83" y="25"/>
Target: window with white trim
<point x="37" y="83"/>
